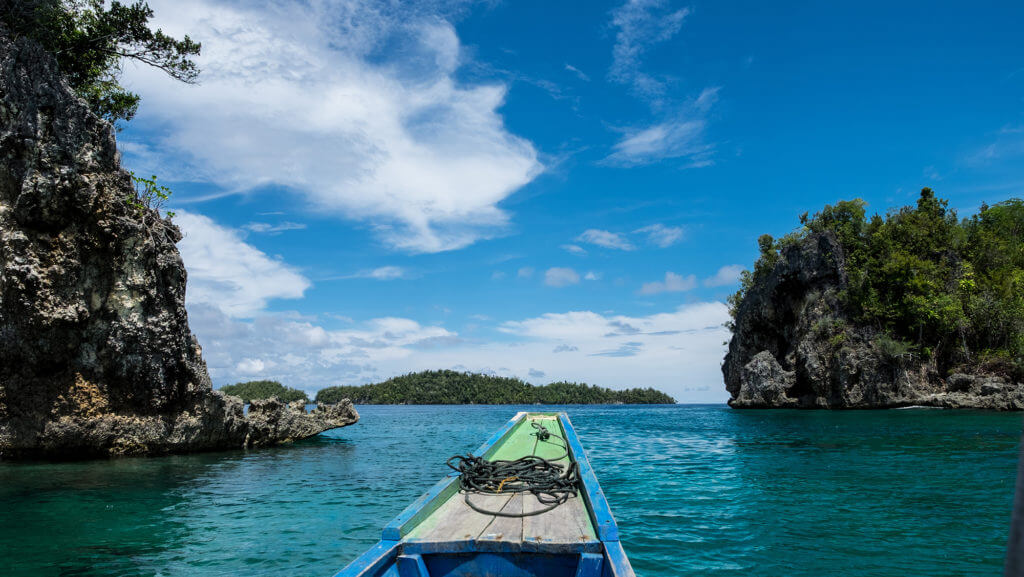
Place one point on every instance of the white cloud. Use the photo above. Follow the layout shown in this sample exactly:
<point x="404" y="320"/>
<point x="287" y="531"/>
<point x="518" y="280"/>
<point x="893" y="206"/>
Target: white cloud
<point x="497" y="275"/>
<point x="672" y="283"/>
<point x="267" y="228"/>
<point x="579" y="73"/>
<point x="560" y="277"/>
<point x="678" y="351"/>
<point x="384" y="273"/>
<point x="661" y="235"/>
<point x="227" y="273"/>
<point x="681" y="135"/>
<point x="591" y="275"/>
<point x="640" y="25"/>
<point x="250" y="367"/>
<point x="574" y="249"/>
<point x="727" y="275"/>
<point x="300" y="96"/>
<point x="525" y="272"/>
<point x="606" y="239"/>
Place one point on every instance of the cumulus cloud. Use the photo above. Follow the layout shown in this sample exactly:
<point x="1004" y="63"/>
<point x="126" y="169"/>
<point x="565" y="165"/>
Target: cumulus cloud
<point x="661" y="235"/>
<point x="303" y="353"/>
<point x="727" y="275"/>
<point x="229" y="274"/>
<point x="302" y="97"/>
<point x="676" y="351"/>
<point x="606" y="239"/>
<point x="672" y="283"/>
<point x="560" y="277"/>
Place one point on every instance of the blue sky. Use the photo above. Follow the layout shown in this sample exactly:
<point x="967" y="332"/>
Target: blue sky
<point x="545" y="190"/>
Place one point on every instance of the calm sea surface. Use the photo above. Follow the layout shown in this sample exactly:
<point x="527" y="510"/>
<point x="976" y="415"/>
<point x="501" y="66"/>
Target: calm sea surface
<point x="697" y="490"/>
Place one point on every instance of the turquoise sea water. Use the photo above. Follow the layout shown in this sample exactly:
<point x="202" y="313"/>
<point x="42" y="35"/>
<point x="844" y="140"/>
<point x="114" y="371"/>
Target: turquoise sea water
<point x="697" y="490"/>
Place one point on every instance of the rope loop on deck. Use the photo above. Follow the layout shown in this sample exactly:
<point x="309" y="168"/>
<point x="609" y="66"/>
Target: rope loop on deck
<point x="550" y="482"/>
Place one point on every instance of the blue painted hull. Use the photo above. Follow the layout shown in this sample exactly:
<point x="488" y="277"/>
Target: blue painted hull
<point x="394" y="556"/>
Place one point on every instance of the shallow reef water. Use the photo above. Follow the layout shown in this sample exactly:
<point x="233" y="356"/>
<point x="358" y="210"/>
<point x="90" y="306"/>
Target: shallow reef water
<point x="696" y="490"/>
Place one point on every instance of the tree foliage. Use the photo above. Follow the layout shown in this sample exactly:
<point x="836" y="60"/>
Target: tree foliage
<point x="938" y="286"/>
<point x="455" y="388"/>
<point x="91" y="41"/>
<point x="264" y="390"/>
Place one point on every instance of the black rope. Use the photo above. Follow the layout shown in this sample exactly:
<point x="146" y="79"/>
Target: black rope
<point x="551" y="483"/>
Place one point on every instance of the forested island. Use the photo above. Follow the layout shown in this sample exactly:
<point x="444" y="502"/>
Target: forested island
<point x="458" y="388"/>
<point x="264" y="390"/>
<point x="914" y="307"/>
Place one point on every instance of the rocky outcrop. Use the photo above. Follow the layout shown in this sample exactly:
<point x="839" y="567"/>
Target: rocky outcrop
<point x="793" y="346"/>
<point x="96" y="355"/>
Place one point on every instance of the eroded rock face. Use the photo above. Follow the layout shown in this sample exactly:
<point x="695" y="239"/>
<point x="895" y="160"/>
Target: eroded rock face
<point x="793" y="346"/>
<point x="96" y="355"/>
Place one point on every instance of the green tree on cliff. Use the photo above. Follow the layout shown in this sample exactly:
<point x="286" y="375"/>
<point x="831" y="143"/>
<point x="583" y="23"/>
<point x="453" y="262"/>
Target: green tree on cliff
<point x="91" y="41"/>
<point x="950" y="289"/>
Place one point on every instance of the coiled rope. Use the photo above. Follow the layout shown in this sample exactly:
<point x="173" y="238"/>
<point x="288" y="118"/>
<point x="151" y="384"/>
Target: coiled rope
<point x="552" y="483"/>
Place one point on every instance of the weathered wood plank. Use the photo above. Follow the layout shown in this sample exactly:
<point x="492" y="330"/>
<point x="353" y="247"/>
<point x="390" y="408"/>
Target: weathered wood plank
<point x="455" y="521"/>
<point x="504" y="534"/>
<point x="567" y="523"/>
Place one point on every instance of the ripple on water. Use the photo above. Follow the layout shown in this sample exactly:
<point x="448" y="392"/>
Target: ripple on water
<point x="696" y="490"/>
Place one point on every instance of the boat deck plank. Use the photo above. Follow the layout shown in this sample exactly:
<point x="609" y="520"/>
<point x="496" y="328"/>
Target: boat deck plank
<point x="568" y="524"/>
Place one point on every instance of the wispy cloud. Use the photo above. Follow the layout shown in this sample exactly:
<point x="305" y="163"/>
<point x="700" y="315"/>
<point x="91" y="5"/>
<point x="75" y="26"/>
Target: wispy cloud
<point x="229" y="274"/>
<point x="727" y="275"/>
<point x="267" y="228"/>
<point x="661" y="235"/>
<point x="681" y="135"/>
<point x="606" y="239"/>
<point x="383" y="273"/>
<point x="525" y="272"/>
<point x="574" y="249"/>
<point x="560" y="277"/>
<point x="297" y="96"/>
<point x="579" y="73"/>
<point x="672" y="283"/>
<point x="641" y="24"/>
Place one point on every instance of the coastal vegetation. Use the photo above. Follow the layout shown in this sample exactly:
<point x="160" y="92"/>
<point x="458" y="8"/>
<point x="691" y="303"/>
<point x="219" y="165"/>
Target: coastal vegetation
<point x="458" y="388"/>
<point x="264" y="390"/>
<point x="91" y="39"/>
<point x="946" y="290"/>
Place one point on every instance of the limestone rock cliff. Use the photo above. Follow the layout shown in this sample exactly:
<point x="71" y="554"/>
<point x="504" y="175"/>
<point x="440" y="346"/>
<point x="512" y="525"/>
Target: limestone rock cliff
<point x="793" y="346"/>
<point x="96" y="355"/>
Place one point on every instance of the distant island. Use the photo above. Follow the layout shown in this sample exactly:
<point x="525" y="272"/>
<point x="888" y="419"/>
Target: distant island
<point x="264" y="390"/>
<point x="458" y="388"/>
<point x="914" y="307"/>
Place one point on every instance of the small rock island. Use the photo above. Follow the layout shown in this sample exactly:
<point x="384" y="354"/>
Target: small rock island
<point x="96" y="355"/>
<point x="914" y="308"/>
